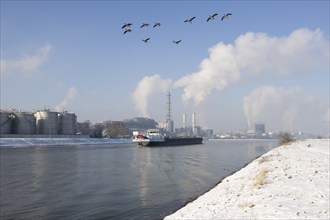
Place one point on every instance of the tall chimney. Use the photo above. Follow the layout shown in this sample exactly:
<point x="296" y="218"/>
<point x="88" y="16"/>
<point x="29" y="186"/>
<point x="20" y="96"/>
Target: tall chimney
<point x="194" y="123"/>
<point x="169" y="122"/>
<point x="184" y="120"/>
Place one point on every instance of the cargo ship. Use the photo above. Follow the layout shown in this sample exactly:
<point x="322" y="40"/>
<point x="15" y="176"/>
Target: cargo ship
<point x="153" y="137"/>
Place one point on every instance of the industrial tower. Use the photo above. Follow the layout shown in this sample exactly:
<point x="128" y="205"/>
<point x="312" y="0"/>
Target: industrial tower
<point x="169" y="122"/>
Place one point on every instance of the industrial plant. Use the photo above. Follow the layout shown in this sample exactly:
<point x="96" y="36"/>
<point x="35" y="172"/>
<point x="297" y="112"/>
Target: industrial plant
<point x="15" y="123"/>
<point x="168" y="125"/>
<point x="48" y="123"/>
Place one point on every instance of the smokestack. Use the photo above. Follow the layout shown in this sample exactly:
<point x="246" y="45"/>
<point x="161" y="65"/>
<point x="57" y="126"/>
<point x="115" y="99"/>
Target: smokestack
<point x="184" y="120"/>
<point x="194" y="123"/>
<point x="169" y="122"/>
<point x="168" y="116"/>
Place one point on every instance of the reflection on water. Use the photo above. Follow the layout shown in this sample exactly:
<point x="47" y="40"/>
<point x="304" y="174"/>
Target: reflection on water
<point x="115" y="181"/>
<point x="142" y="159"/>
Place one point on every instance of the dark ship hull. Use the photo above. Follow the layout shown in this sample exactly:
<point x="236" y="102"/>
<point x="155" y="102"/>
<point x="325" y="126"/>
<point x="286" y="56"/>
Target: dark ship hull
<point x="177" y="141"/>
<point x="153" y="137"/>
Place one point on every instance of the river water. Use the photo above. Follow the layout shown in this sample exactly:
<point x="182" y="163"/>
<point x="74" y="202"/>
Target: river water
<point x="115" y="181"/>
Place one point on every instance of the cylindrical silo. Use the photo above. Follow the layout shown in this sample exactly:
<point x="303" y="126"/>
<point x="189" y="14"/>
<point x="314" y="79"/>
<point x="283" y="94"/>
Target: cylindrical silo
<point x="47" y="122"/>
<point x="5" y="122"/>
<point x="67" y="123"/>
<point x="24" y="123"/>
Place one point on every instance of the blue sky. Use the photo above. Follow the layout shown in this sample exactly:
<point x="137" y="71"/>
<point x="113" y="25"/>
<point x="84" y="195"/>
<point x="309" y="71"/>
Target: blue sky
<point x="269" y="62"/>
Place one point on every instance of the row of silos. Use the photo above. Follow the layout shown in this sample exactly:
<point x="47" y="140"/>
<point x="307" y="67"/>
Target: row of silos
<point x="43" y="122"/>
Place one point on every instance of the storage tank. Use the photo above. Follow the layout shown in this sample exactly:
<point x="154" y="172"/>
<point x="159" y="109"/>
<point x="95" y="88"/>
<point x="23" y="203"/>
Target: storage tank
<point x="67" y="123"/>
<point x="24" y="123"/>
<point x="5" y="122"/>
<point x="47" y="122"/>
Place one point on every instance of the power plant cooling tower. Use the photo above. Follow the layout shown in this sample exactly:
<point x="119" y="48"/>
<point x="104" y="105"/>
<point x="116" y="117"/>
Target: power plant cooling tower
<point x="5" y="122"/>
<point x="24" y="123"/>
<point x="67" y="123"/>
<point x="47" y="122"/>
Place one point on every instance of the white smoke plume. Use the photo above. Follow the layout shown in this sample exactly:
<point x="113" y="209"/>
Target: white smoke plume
<point x="283" y="108"/>
<point x="269" y="103"/>
<point x="28" y="63"/>
<point x="146" y="88"/>
<point x="253" y="54"/>
<point x="71" y="95"/>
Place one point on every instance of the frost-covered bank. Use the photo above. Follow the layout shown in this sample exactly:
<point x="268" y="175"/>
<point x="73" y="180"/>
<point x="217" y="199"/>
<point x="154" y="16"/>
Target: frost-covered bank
<point x="289" y="182"/>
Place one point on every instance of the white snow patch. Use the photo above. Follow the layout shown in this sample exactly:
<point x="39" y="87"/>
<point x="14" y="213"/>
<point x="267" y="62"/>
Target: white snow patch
<point x="288" y="182"/>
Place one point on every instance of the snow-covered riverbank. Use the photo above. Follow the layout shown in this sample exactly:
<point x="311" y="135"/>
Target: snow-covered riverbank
<point x="27" y="142"/>
<point x="289" y="182"/>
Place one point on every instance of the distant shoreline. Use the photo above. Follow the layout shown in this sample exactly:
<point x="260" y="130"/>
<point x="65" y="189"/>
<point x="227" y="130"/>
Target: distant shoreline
<point x="59" y="141"/>
<point x="42" y="136"/>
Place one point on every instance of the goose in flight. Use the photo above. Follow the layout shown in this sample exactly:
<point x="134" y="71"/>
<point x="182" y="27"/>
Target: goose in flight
<point x="127" y="30"/>
<point x="177" y="41"/>
<point x="156" y="24"/>
<point x="211" y="17"/>
<point x="225" y="16"/>
<point x="126" y="25"/>
<point x="146" y="40"/>
<point x="144" y="25"/>
<point x="190" y="20"/>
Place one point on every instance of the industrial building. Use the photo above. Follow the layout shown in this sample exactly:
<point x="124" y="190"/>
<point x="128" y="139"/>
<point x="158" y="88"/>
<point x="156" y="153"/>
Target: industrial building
<point x="168" y="124"/>
<point x="259" y="129"/>
<point x="42" y="122"/>
<point x="47" y="123"/>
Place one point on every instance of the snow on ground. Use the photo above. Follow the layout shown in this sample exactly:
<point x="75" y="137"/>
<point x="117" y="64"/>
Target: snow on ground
<point x="288" y="182"/>
<point x="27" y="142"/>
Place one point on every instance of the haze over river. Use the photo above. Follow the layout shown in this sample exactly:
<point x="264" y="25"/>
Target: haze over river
<point x="115" y="181"/>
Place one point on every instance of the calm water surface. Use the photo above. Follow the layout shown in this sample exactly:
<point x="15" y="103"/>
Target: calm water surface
<point x="117" y="181"/>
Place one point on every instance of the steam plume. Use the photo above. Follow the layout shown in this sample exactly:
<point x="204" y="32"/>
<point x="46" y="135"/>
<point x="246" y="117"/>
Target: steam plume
<point x="147" y="87"/>
<point x="28" y="63"/>
<point x="253" y="54"/>
<point x="72" y="93"/>
<point x="284" y="108"/>
<point x="269" y="103"/>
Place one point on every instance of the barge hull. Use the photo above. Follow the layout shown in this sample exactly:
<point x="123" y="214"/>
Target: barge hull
<point x="177" y="141"/>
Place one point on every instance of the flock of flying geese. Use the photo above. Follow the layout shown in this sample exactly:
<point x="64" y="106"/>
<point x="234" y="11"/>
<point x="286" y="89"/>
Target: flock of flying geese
<point x="127" y="26"/>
